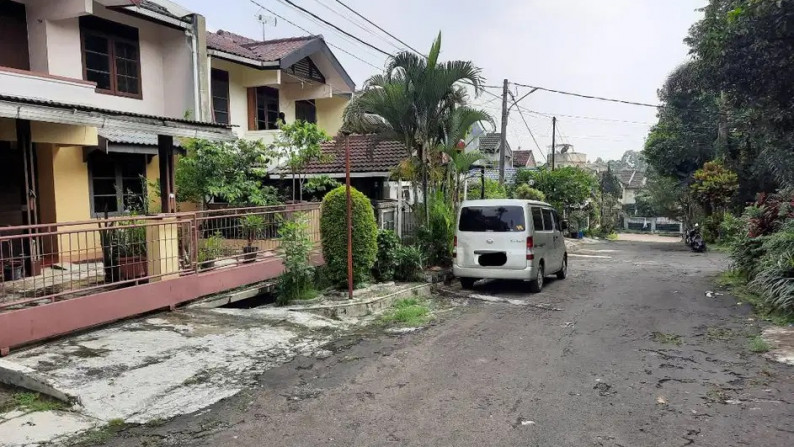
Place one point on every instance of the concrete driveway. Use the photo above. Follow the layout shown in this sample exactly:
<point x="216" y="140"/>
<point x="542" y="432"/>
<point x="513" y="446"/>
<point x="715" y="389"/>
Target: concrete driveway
<point x="636" y="355"/>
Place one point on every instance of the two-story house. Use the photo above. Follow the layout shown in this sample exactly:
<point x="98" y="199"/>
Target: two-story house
<point x="92" y="95"/>
<point x="255" y="84"/>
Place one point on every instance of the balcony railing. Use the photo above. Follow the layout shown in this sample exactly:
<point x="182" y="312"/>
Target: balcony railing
<point x="52" y="262"/>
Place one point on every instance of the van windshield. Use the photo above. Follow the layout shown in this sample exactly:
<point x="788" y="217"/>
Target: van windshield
<point x="492" y="218"/>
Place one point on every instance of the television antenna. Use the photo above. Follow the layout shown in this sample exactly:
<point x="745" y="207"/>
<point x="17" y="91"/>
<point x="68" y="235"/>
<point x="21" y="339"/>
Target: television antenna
<point x="266" y="20"/>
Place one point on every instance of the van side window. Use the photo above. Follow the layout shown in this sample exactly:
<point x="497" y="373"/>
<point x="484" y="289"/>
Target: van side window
<point x="557" y="223"/>
<point x="537" y="219"/>
<point x="548" y="221"/>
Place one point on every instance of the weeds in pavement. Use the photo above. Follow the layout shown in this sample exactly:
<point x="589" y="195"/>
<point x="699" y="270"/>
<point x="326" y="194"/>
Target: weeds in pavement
<point x="735" y="283"/>
<point x="667" y="339"/>
<point x="715" y="333"/>
<point x="758" y="344"/>
<point x="36" y="402"/>
<point x="408" y="312"/>
<point x="98" y="435"/>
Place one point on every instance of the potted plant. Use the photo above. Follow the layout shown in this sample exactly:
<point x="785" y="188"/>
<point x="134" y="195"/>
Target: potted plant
<point x="210" y="251"/>
<point x="123" y="250"/>
<point x="252" y="226"/>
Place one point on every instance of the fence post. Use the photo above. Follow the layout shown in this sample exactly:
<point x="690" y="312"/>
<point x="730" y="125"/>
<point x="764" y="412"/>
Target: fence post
<point x="162" y="249"/>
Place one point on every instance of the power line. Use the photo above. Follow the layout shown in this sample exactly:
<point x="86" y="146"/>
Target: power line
<point x="527" y="125"/>
<point x="599" y="98"/>
<point x="357" y="24"/>
<point x="306" y="11"/>
<point x="381" y="29"/>
<point x="310" y="33"/>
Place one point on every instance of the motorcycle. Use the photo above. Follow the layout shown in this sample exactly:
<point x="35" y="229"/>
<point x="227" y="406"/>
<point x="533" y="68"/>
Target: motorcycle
<point x="694" y="239"/>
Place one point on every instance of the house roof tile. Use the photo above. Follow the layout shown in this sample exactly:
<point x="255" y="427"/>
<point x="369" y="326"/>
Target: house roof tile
<point x="523" y="159"/>
<point x="631" y="178"/>
<point x="265" y="51"/>
<point x="489" y="143"/>
<point x="368" y="153"/>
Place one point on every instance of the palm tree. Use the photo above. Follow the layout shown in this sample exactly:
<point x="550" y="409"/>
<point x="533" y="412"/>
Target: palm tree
<point x="457" y="126"/>
<point x="412" y="100"/>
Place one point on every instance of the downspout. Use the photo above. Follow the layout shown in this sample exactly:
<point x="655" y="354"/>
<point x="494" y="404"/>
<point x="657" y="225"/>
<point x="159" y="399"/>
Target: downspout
<point x="196" y="87"/>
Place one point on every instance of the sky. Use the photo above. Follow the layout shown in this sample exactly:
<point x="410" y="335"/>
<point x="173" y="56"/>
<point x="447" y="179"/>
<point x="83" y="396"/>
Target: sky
<point x="621" y="49"/>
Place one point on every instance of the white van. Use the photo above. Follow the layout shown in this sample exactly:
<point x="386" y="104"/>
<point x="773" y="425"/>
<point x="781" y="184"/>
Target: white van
<point x="509" y="239"/>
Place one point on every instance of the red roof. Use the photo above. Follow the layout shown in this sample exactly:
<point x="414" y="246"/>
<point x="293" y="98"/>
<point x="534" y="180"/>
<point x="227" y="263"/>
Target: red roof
<point x="266" y="51"/>
<point x="368" y="153"/>
<point x="523" y="159"/>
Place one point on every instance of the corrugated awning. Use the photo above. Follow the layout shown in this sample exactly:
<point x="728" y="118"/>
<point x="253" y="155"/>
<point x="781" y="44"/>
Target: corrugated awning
<point x="81" y="115"/>
<point x="129" y="141"/>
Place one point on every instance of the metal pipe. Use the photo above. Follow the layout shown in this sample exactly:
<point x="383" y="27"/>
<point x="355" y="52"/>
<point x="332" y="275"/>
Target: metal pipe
<point x="349" y="220"/>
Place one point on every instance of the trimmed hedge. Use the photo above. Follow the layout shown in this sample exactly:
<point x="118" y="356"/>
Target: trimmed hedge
<point x="333" y="231"/>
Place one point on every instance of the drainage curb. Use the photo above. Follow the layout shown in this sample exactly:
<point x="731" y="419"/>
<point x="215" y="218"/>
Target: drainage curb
<point x="363" y="308"/>
<point x="27" y="378"/>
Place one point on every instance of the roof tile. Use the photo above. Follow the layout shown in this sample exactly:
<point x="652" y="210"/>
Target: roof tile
<point x="367" y="154"/>
<point x="265" y="51"/>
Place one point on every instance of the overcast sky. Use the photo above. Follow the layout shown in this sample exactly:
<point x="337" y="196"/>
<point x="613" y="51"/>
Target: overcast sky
<point x="612" y="48"/>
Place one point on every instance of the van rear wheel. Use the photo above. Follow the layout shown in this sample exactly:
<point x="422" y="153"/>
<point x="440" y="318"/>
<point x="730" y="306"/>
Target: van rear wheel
<point x="467" y="283"/>
<point x="536" y="285"/>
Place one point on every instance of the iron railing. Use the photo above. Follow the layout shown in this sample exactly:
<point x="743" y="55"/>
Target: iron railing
<point x="48" y="262"/>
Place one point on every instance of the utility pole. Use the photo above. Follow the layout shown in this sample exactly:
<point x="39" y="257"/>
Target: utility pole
<point x="503" y="143"/>
<point x="553" y="141"/>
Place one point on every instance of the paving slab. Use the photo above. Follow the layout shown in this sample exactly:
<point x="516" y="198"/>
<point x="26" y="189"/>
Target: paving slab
<point x="34" y="429"/>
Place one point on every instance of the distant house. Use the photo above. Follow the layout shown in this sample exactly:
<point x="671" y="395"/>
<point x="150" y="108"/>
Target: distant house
<point x="524" y="159"/>
<point x="632" y="182"/>
<point x="490" y="144"/>
<point x="564" y="155"/>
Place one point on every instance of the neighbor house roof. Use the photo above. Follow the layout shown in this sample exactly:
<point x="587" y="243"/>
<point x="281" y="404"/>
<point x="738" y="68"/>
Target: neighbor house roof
<point x="368" y="154"/>
<point x="275" y="53"/>
<point x="631" y="178"/>
<point x="128" y="136"/>
<point x="489" y="143"/>
<point x="524" y="159"/>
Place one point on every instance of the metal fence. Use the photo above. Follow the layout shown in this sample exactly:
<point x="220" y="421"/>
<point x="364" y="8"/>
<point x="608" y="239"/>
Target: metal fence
<point x="48" y="262"/>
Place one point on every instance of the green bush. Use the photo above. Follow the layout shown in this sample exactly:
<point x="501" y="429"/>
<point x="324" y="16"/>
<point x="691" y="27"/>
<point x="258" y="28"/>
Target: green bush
<point x="526" y="192"/>
<point x="436" y="239"/>
<point x="493" y="190"/>
<point x="775" y="281"/>
<point x="386" y="261"/>
<point x="333" y="231"/>
<point x="731" y="228"/>
<point x="410" y="263"/>
<point x="295" y="247"/>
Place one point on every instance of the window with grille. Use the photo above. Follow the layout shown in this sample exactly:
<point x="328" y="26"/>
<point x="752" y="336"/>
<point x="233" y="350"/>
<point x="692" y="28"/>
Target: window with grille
<point x="117" y="182"/>
<point x="306" y="110"/>
<point x="263" y="108"/>
<point x="111" y="56"/>
<point x="220" y="95"/>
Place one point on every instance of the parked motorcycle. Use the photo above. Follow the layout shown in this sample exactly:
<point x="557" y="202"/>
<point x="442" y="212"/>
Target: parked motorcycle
<point x="694" y="239"/>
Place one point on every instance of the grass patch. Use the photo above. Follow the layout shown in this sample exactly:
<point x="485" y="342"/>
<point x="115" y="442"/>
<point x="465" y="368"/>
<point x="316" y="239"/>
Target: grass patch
<point x="612" y="236"/>
<point x="99" y="435"/>
<point x="410" y="312"/>
<point x="714" y="333"/>
<point x="667" y="339"/>
<point x="759" y="345"/>
<point x="36" y="402"/>
<point x="737" y="285"/>
<point x="309" y="294"/>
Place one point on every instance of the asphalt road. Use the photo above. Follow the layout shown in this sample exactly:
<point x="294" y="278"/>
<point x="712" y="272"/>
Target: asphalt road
<point x="637" y="356"/>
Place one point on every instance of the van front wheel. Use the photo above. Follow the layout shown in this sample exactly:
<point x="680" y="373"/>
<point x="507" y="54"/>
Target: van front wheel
<point x="536" y="285"/>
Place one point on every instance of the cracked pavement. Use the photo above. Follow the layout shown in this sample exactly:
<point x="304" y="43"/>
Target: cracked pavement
<point x="636" y="355"/>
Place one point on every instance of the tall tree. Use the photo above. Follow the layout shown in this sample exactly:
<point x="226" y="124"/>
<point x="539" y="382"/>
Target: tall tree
<point x="411" y="100"/>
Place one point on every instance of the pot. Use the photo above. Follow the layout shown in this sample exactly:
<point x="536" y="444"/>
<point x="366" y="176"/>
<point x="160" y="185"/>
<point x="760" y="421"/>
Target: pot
<point x="249" y="254"/>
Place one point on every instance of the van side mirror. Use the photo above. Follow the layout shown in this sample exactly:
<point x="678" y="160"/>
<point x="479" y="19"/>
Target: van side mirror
<point x="564" y="224"/>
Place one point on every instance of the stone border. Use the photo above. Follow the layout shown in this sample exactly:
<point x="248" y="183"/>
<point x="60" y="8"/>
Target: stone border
<point x="365" y="307"/>
<point x="27" y="378"/>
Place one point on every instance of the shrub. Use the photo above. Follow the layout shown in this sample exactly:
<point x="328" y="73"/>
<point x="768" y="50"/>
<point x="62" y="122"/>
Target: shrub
<point x="493" y="190"/>
<point x="731" y="228"/>
<point x="527" y="192"/>
<point x="333" y="230"/>
<point x="410" y="263"/>
<point x="436" y="238"/>
<point x="386" y="261"/>
<point x="296" y="246"/>
<point x="775" y="281"/>
<point x="211" y="249"/>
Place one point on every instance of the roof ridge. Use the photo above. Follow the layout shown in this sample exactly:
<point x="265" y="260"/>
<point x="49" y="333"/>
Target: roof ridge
<point x="283" y="39"/>
<point x="231" y="35"/>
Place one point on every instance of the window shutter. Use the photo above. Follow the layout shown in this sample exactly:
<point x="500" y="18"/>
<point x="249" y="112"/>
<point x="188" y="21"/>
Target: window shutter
<point x="252" y="108"/>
